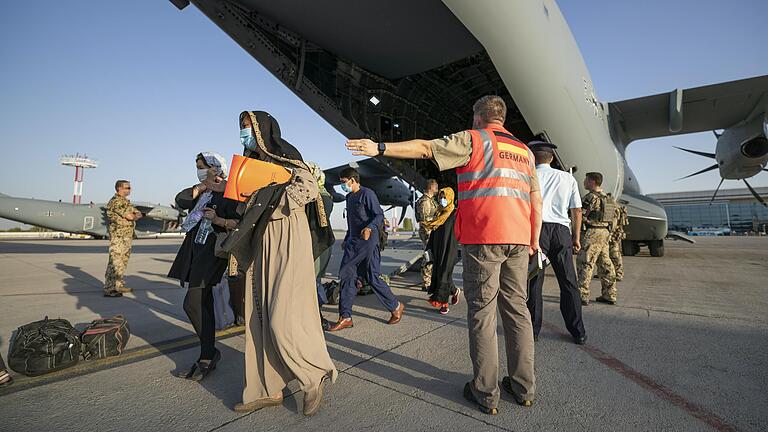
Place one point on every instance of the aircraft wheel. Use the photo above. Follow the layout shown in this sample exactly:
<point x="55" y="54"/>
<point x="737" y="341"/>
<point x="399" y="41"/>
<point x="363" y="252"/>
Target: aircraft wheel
<point x="656" y="247"/>
<point x="629" y="248"/>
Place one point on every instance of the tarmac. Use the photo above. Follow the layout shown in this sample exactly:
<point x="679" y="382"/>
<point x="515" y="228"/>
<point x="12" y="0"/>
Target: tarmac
<point x="685" y="349"/>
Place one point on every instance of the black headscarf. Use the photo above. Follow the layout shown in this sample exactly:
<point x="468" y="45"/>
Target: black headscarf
<point x="271" y="147"/>
<point x="269" y="143"/>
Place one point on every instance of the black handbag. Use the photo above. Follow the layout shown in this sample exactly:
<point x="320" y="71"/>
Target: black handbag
<point x="44" y="346"/>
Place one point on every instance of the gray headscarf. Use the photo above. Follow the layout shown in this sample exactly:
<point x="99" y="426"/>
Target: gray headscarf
<point x="213" y="160"/>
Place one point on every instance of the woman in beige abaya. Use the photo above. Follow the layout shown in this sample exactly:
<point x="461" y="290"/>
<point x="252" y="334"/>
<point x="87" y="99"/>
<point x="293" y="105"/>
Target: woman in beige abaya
<point x="284" y="338"/>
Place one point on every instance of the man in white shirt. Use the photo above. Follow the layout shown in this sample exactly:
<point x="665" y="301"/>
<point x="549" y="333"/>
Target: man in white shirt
<point x="560" y="196"/>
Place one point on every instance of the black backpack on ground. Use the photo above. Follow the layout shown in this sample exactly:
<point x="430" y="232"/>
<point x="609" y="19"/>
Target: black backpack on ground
<point x="105" y="337"/>
<point x="44" y="346"/>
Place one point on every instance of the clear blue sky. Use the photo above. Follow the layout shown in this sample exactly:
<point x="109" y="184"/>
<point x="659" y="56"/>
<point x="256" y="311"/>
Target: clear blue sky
<point x="143" y="87"/>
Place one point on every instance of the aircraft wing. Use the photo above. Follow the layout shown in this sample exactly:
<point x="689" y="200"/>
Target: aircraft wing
<point x="699" y="109"/>
<point x="157" y="211"/>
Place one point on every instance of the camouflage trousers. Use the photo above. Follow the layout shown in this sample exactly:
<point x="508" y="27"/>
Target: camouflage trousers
<point x="426" y="268"/>
<point x="594" y="252"/>
<point x="614" y="250"/>
<point x="119" y="252"/>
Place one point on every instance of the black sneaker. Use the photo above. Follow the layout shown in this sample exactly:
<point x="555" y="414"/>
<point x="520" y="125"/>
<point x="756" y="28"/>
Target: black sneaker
<point x="468" y="395"/>
<point x="112" y="294"/>
<point x="506" y="384"/>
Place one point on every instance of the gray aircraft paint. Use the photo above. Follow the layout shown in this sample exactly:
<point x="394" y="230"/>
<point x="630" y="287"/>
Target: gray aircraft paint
<point x="83" y="218"/>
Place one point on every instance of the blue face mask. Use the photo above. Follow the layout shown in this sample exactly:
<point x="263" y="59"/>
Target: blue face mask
<point x="443" y="202"/>
<point x="345" y="187"/>
<point x="247" y="139"/>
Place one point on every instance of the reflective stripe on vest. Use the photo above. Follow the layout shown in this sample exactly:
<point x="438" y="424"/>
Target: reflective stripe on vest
<point x="494" y="191"/>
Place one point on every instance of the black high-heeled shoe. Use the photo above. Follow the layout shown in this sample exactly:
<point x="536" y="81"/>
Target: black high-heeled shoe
<point x="200" y="369"/>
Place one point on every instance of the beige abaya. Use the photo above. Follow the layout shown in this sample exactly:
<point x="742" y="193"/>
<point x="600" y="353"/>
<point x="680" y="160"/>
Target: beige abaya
<point x="284" y="339"/>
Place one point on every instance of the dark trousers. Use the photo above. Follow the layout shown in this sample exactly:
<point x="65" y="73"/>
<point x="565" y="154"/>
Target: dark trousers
<point x="198" y="304"/>
<point x="365" y="255"/>
<point x="555" y="241"/>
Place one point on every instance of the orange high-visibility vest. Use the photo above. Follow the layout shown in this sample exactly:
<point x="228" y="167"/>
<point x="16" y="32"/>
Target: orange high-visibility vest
<point x="494" y="190"/>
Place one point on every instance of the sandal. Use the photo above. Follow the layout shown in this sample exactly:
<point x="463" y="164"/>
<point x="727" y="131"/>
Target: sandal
<point x="5" y="379"/>
<point x="200" y="369"/>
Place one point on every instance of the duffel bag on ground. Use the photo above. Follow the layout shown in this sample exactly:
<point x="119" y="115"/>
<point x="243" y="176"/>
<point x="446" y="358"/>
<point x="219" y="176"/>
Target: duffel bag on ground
<point x="44" y="346"/>
<point x="105" y="337"/>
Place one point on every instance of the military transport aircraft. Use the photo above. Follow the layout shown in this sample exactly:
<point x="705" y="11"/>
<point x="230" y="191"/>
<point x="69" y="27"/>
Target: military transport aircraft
<point x="86" y="218"/>
<point x="400" y="69"/>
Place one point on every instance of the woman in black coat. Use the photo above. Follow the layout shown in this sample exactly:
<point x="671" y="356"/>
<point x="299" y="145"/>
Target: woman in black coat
<point x="196" y="266"/>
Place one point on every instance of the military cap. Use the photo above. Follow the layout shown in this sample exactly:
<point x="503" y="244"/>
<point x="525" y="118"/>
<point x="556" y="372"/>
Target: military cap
<point x="542" y="146"/>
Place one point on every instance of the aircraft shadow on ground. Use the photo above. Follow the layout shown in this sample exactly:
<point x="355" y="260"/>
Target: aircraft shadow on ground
<point x="147" y="319"/>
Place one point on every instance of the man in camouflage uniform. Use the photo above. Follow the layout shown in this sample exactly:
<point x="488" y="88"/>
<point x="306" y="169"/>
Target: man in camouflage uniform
<point x="426" y="211"/>
<point x="595" y="238"/>
<point x="122" y="217"/>
<point x="617" y="235"/>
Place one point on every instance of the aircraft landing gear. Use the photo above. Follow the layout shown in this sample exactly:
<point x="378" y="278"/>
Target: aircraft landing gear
<point x="656" y="247"/>
<point x="629" y="248"/>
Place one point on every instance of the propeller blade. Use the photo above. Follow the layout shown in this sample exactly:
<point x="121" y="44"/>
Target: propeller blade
<point x="402" y="215"/>
<point x="755" y="194"/>
<point x="700" y="172"/>
<point x="716" y="191"/>
<point x="696" y="152"/>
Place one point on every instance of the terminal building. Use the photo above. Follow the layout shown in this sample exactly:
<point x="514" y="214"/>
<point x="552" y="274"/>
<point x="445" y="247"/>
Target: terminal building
<point x="733" y="211"/>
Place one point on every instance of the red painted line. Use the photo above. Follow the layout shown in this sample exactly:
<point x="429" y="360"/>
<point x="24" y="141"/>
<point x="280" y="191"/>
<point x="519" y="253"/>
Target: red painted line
<point x="654" y="387"/>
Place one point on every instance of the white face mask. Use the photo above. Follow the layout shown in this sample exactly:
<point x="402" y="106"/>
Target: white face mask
<point x="202" y="174"/>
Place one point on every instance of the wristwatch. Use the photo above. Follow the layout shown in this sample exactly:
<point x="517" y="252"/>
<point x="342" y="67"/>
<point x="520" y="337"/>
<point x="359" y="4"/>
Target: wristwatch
<point x="382" y="148"/>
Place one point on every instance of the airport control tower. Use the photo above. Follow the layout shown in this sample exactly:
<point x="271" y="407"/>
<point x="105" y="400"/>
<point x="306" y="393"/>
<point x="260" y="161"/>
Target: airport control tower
<point x="80" y="162"/>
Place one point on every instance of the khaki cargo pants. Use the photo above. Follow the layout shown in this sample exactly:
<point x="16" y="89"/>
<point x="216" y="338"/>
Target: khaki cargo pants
<point x="119" y="253"/>
<point x="495" y="276"/>
<point x="614" y="250"/>
<point x="594" y="253"/>
<point x="426" y="268"/>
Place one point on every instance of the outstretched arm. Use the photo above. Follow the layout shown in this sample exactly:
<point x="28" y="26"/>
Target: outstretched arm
<point x="413" y="149"/>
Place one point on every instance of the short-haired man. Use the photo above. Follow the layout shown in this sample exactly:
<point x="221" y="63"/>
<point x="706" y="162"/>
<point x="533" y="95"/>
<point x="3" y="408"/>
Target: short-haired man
<point x="361" y="251"/>
<point x="598" y="214"/>
<point x="426" y="211"/>
<point x="122" y="217"/>
<point x="498" y="222"/>
<point x="560" y="196"/>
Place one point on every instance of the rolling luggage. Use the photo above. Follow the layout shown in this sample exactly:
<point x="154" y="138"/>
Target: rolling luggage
<point x="105" y="337"/>
<point x="44" y="346"/>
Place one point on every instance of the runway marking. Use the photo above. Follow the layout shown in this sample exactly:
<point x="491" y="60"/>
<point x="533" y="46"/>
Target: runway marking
<point x="660" y="390"/>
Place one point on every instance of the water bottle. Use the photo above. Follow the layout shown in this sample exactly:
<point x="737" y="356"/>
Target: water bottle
<point x="203" y="231"/>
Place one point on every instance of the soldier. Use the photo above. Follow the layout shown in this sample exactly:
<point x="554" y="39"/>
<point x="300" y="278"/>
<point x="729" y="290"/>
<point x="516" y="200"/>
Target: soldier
<point x="122" y="218"/>
<point x="426" y="210"/>
<point x="617" y="235"/>
<point x="599" y="211"/>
